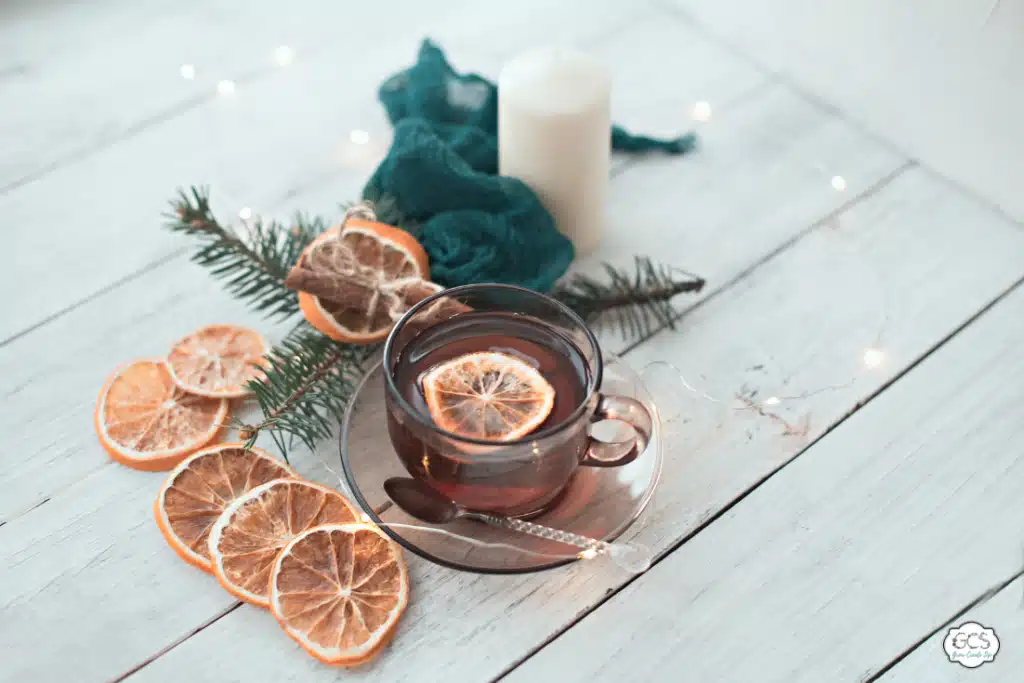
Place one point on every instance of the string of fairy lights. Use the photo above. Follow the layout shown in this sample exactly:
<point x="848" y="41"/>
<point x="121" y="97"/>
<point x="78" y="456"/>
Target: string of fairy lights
<point x="872" y="357"/>
<point x="701" y="112"/>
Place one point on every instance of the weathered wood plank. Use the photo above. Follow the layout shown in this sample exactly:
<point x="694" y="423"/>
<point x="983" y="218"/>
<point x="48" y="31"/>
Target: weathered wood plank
<point x="1002" y="612"/>
<point x="502" y="618"/>
<point x="81" y="77"/>
<point x="912" y="72"/>
<point x="840" y="562"/>
<point x="290" y="130"/>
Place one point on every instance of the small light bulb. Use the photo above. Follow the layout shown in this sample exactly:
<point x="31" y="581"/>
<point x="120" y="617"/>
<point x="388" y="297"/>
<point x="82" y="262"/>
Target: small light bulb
<point x="188" y="71"/>
<point x="245" y="214"/>
<point x="226" y="87"/>
<point x="772" y="401"/>
<point x="359" y="137"/>
<point x="873" y="358"/>
<point x="701" y="111"/>
<point x="284" y="55"/>
<point x="588" y="554"/>
<point x="838" y="183"/>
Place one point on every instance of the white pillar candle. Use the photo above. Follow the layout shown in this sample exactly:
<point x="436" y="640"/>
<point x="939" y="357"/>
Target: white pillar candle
<point x="554" y="134"/>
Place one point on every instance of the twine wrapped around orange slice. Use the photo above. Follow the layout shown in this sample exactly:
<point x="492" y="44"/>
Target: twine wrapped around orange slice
<point x="358" y="278"/>
<point x="355" y="280"/>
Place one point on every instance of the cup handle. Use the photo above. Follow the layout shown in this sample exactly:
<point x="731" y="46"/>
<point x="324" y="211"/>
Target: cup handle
<point x="624" y="409"/>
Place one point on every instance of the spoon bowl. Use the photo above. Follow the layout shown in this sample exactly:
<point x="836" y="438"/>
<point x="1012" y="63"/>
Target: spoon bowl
<point x="421" y="501"/>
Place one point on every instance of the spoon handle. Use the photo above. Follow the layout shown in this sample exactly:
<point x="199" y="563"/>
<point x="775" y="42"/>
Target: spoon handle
<point x="541" y="531"/>
<point x="633" y="558"/>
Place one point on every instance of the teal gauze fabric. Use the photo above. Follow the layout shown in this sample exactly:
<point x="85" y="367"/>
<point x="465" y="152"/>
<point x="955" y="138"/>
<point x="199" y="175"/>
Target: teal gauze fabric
<point x="441" y="175"/>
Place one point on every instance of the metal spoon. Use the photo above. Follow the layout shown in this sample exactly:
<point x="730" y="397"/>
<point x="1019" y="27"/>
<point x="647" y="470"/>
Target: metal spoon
<point x="424" y="503"/>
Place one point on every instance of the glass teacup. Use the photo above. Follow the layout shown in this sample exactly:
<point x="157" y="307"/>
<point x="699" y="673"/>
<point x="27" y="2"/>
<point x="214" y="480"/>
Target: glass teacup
<point x="519" y="477"/>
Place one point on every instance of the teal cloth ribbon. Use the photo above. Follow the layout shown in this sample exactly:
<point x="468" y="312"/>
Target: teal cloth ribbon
<point x="441" y="174"/>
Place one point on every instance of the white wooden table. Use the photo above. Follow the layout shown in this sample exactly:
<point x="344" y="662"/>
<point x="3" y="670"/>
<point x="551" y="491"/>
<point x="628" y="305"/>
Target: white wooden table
<point x="831" y="530"/>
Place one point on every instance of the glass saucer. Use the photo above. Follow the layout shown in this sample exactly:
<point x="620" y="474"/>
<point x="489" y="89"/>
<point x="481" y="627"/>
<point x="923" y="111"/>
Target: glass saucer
<point x="599" y="502"/>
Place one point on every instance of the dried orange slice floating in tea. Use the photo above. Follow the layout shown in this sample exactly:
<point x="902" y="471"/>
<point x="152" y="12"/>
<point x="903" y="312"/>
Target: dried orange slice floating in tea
<point x="217" y="360"/>
<point x="339" y="591"/>
<point x="487" y="395"/>
<point x="145" y="421"/>
<point x="201" y="487"/>
<point x="355" y="282"/>
<point x="247" y="537"/>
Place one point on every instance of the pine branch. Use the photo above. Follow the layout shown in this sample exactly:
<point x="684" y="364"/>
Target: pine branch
<point x="308" y="384"/>
<point x="637" y="303"/>
<point x="253" y="269"/>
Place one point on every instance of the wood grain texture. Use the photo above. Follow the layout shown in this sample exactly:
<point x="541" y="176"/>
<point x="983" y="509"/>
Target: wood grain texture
<point x="274" y="138"/>
<point x="839" y="563"/>
<point x="1001" y="612"/>
<point x="936" y="77"/>
<point x="468" y="627"/>
<point x="86" y="75"/>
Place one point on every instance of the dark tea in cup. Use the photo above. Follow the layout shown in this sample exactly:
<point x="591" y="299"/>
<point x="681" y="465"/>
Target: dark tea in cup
<point x="490" y="404"/>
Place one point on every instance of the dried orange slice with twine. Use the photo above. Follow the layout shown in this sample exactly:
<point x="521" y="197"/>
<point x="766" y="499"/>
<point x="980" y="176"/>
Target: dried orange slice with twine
<point x="339" y="591"/>
<point x="246" y="539"/>
<point x="355" y="281"/>
<point x="487" y="395"/>
<point x="201" y="487"/>
<point x="145" y="421"/>
<point x="217" y="360"/>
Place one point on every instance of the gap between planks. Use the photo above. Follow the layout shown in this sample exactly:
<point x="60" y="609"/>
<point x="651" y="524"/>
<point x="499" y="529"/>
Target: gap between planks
<point x="977" y="602"/>
<point x="167" y="114"/>
<point x="785" y="246"/>
<point x="379" y="510"/>
<point x="738" y="499"/>
<point x="170" y="646"/>
<point x="686" y="17"/>
<point x="125" y="279"/>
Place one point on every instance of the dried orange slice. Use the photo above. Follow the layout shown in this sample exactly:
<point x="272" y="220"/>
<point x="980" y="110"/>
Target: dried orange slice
<point x="487" y="395"/>
<point x="247" y="537"/>
<point x="339" y="591"/>
<point x="145" y="421"/>
<point x="355" y="282"/>
<point x="201" y="487"/>
<point x="217" y="360"/>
